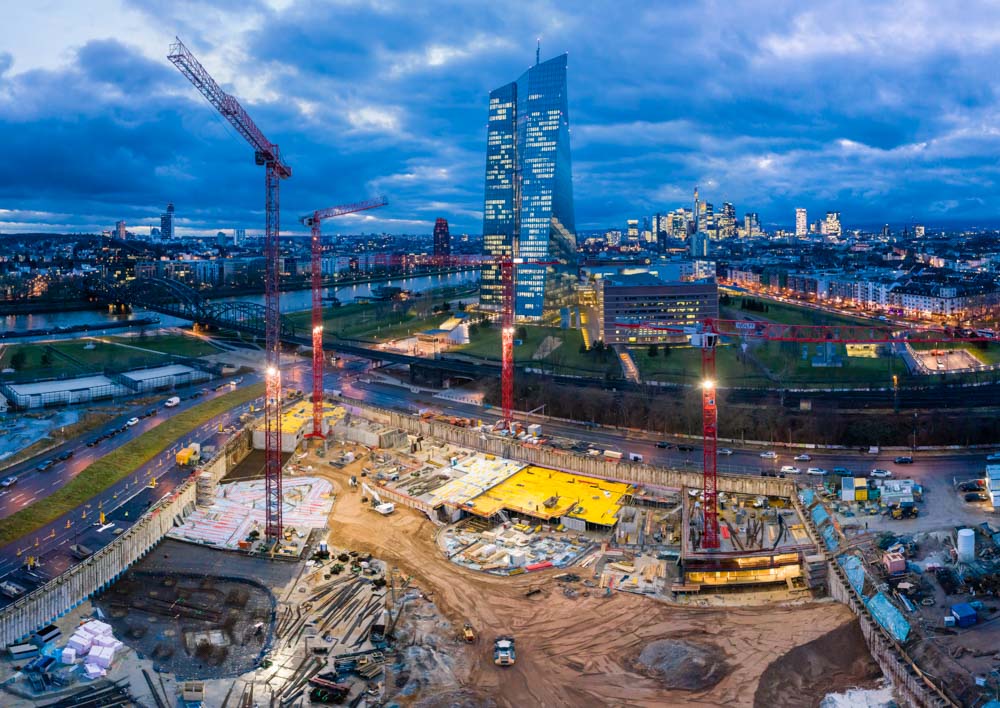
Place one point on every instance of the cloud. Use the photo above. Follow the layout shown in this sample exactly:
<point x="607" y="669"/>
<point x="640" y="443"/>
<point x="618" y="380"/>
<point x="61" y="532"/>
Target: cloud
<point x="882" y="110"/>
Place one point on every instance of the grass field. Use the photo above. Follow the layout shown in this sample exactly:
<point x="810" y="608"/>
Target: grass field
<point x="176" y="344"/>
<point x="790" y="314"/>
<point x="785" y="361"/>
<point x="567" y="358"/>
<point x="683" y="365"/>
<point x="73" y="357"/>
<point x="119" y="464"/>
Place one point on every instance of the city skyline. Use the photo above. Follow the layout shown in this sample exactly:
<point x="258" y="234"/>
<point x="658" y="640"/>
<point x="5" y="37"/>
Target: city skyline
<point x="783" y="108"/>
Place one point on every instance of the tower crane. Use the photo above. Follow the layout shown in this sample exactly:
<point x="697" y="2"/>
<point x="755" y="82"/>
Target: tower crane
<point x="706" y="335"/>
<point x="315" y="221"/>
<point x="267" y="155"/>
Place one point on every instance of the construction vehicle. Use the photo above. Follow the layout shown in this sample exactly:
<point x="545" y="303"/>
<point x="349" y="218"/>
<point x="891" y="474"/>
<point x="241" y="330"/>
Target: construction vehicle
<point x="904" y="510"/>
<point x="468" y="633"/>
<point x="503" y="651"/>
<point x="384" y="508"/>
<point x="189" y="455"/>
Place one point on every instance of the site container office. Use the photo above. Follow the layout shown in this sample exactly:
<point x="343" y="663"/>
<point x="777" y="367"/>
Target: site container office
<point x="46" y="634"/>
<point x="19" y="652"/>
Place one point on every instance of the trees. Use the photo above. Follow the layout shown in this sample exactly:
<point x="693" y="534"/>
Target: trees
<point x="18" y="360"/>
<point x="46" y="359"/>
<point x="522" y="333"/>
<point x="654" y="349"/>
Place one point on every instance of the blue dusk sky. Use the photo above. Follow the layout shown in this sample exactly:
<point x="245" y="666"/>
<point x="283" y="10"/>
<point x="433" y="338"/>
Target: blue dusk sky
<point x="883" y="111"/>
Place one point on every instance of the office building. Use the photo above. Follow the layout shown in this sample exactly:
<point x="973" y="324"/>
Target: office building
<point x="528" y="204"/>
<point x="442" y="238"/>
<point x="624" y="300"/>
<point x="751" y="224"/>
<point x="801" y="223"/>
<point x="698" y="244"/>
<point x="167" y="223"/>
<point x="831" y="226"/>
<point x="726" y="223"/>
<point x="120" y="233"/>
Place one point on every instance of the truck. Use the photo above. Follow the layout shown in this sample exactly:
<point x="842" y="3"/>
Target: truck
<point x="189" y="455"/>
<point x="503" y="651"/>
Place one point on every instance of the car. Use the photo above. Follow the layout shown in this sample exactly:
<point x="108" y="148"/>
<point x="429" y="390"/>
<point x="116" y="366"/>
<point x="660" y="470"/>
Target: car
<point x="842" y="471"/>
<point x="993" y="457"/>
<point x="803" y="458"/>
<point x="973" y="485"/>
<point x="8" y="481"/>
<point x="788" y="469"/>
<point x="172" y="401"/>
<point x="63" y="456"/>
<point x="769" y="455"/>
<point x="881" y="473"/>
<point x="132" y="421"/>
<point x="685" y="448"/>
<point x="905" y="460"/>
<point x="95" y="441"/>
<point x="725" y="451"/>
<point x="664" y="445"/>
<point x="816" y="470"/>
<point x="45" y="466"/>
<point x="977" y="497"/>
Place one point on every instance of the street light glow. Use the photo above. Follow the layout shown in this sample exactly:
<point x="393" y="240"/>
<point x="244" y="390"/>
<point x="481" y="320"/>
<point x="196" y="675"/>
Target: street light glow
<point x="271" y="371"/>
<point x="708" y="384"/>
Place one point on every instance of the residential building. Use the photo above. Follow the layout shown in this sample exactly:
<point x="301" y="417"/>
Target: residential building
<point x="167" y="223"/>
<point x="442" y="238"/>
<point x="624" y="300"/>
<point x="120" y="232"/>
<point x="529" y="191"/>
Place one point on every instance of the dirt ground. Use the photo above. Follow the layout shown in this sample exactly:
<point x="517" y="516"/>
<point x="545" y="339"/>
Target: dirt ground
<point x="580" y="651"/>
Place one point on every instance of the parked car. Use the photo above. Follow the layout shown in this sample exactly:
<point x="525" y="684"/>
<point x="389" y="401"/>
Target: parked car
<point x="816" y="470"/>
<point x="803" y="458"/>
<point x="132" y="421"/>
<point x="881" y="473"/>
<point x="973" y="485"/>
<point x="788" y="469"/>
<point x="993" y="457"/>
<point x="843" y="471"/>
<point x="664" y="445"/>
<point x="8" y="481"/>
<point x="977" y="497"/>
<point x="905" y="460"/>
<point x="769" y="455"/>
<point x="725" y="451"/>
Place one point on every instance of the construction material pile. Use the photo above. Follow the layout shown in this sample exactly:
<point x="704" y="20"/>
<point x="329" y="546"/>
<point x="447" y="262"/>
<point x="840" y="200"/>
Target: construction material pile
<point x="94" y="643"/>
<point x="511" y="549"/>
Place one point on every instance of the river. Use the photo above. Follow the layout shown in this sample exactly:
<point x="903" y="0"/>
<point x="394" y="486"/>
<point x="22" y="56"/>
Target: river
<point x="290" y="302"/>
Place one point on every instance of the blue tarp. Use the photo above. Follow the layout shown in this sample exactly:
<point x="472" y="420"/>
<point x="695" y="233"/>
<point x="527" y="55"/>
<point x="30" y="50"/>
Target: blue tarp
<point x="820" y="515"/>
<point x="830" y="538"/>
<point x="806" y="496"/>
<point x="854" y="570"/>
<point x="887" y="615"/>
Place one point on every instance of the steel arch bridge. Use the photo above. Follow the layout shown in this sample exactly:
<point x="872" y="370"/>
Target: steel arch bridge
<point x="170" y="297"/>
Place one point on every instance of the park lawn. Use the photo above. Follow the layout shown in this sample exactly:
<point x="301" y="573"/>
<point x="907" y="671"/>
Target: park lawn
<point x="119" y="464"/>
<point x="176" y="344"/>
<point x="683" y="365"/>
<point x="988" y="354"/>
<point x="410" y="325"/>
<point x="104" y="355"/>
<point x="785" y="313"/>
<point x="484" y="343"/>
<point x="785" y="361"/>
<point x="33" y="359"/>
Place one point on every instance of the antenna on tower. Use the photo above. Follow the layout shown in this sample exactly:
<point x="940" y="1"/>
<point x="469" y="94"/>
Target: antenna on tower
<point x="538" y="51"/>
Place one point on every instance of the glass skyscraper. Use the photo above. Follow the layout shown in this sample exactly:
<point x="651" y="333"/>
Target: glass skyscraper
<point x="529" y="191"/>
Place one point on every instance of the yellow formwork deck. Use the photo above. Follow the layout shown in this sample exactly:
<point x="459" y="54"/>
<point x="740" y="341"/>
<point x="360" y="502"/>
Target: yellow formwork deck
<point x="549" y="494"/>
<point x="300" y="414"/>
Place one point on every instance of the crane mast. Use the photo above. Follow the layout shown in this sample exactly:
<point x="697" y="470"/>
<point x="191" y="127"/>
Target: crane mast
<point x="267" y="155"/>
<point x="315" y="221"/>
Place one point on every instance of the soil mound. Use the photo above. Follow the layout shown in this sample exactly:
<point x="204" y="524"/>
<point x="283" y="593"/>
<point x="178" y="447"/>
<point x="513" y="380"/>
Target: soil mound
<point x="682" y="663"/>
<point x="835" y="662"/>
<point x="459" y="698"/>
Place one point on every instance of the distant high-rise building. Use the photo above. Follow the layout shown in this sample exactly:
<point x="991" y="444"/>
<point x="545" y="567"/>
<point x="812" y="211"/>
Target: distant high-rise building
<point x="698" y="244"/>
<point x="167" y="223"/>
<point x="241" y="236"/>
<point x="886" y="232"/>
<point x="919" y="231"/>
<point x="120" y="233"/>
<point x="751" y="224"/>
<point x="529" y="190"/>
<point x="801" y="223"/>
<point x="726" y="223"/>
<point x="442" y="238"/>
<point x="831" y="226"/>
<point x="632" y="229"/>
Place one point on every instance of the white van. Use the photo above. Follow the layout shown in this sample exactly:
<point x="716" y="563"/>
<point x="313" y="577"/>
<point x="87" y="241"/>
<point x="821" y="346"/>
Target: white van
<point x="172" y="401"/>
<point x="634" y="457"/>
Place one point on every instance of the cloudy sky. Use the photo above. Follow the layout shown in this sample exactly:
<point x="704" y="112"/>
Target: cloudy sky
<point x="883" y="111"/>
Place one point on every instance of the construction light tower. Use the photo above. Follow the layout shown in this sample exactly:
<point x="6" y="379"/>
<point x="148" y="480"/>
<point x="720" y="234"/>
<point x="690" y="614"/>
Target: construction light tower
<point x="267" y="155"/>
<point x="315" y="221"/>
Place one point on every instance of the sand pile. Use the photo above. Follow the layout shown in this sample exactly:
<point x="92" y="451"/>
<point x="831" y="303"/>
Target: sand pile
<point x="682" y="663"/>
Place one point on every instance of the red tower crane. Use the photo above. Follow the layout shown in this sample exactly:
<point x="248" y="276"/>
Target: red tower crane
<point x="315" y="221"/>
<point x="706" y="337"/>
<point x="268" y="155"/>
